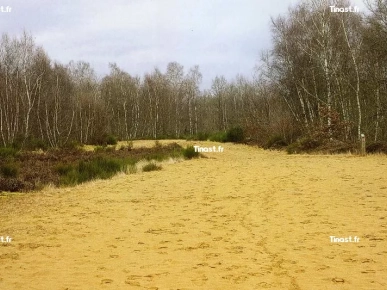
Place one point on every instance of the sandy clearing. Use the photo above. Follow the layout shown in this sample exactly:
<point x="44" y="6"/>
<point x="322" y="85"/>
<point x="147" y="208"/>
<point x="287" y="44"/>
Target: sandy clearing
<point x="241" y="219"/>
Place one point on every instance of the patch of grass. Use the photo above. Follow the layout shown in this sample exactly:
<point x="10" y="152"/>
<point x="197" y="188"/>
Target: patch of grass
<point x="63" y="167"/>
<point x="9" y="170"/>
<point x="33" y="143"/>
<point x="131" y="169"/>
<point x="151" y="167"/>
<point x="7" y="152"/>
<point x="157" y="157"/>
<point x="158" y="144"/>
<point x="190" y="152"/>
<point x="71" y="145"/>
<point x="99" y="149"/>
<point x="128" y="147"/>
<point x="100" y="167"/>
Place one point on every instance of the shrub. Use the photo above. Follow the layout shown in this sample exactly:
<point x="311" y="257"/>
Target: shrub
<point x="201" y="136"/>
<point x="71" y="145"/>
<point x="156" y="156"/>
<point x="158" y="144"/>
<point x="276" y="142"/>
<point x="104" y="139"/>
<point x="13" y="185"/>
<point x="99" y="149"/>
<point x="10" y="170"/>
<point x="111" y="140"/>
<point x="33" y="143"/>
<point x="305" y="144"/>
<point x="130" y="169"/>
<point x="6" y="152"/>
<point x="63" y="169"/>
<point x="151" y="167"/>
<point x="377" y="147"/>
<point x="308" y="143"/>
<point x="219" y="137"/>
<point x="190" y="152"/>
<point x="235" y="135"/>
<point x="293" y="148"/>
<point x="128" y="147"/>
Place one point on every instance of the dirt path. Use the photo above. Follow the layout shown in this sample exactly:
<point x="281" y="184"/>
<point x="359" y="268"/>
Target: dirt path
<point x="241" y="219"/>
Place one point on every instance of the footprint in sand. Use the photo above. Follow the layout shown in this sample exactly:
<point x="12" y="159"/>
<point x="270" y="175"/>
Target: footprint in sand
<point x="106" y="281"/>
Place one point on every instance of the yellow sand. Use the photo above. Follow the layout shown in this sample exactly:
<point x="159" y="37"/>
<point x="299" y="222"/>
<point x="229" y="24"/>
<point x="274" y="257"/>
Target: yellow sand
<point x="241" y="219"/>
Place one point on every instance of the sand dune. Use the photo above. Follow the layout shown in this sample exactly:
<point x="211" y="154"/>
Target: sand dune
<point x="241" y="219"/>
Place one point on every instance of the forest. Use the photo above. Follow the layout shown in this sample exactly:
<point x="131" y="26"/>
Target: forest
<point x="324" y="78"/>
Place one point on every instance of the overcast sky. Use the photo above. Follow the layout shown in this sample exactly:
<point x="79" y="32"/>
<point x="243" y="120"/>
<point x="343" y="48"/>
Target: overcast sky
<point x="223" y="37"/>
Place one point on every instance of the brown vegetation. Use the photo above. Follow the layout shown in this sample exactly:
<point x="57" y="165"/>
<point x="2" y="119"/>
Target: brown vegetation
<point x="33" y="170"/>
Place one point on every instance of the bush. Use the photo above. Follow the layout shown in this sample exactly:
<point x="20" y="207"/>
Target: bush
<point x="13" y="185"/>
<point x="202" y="136"/>
<point x="305" y="144"/>
<point x="111" y="140"/>
<point x="190" y="153"/>
<point x="71" y="145"/>
<point x="293" y="148"/>
<point x="63" y="169"/>
<point x="104" y="139"/>
<point x="158" y="144"/>
<point x="235" y="135"/>
<point x="7" y="152"/>
<point x="9" y="170"/>
<point x="219" y="137"/>
<point x="377" y="147"/>
<point x="308" y="143"/>
<point x="276" y="142"/>
<point x="129" y="146"/>
<point x="99" y="148"/>
<point x="151" y="167"/>
<point x="35" y="144"/>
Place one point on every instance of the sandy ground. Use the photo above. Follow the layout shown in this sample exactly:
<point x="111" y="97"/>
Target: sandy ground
<point x="241" y="219"/>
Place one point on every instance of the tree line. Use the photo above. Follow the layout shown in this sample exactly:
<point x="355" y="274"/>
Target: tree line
<point x="325" y="76"/>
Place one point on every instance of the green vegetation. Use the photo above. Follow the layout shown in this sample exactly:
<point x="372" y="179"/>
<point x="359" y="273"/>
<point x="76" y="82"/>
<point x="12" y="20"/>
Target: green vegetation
<point x="276" y="142"/>
<point x="151" y="167"/>
<point x="97" y="168"/>
<point x="25" y="171"/>
<point x="8" y="152"/>
<point x="10" y="170"/>
<point x="190" y="153"/>
<point x="235" y="135"/>
<point x="218" y="137"/>
<point x="158" y="144"/>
